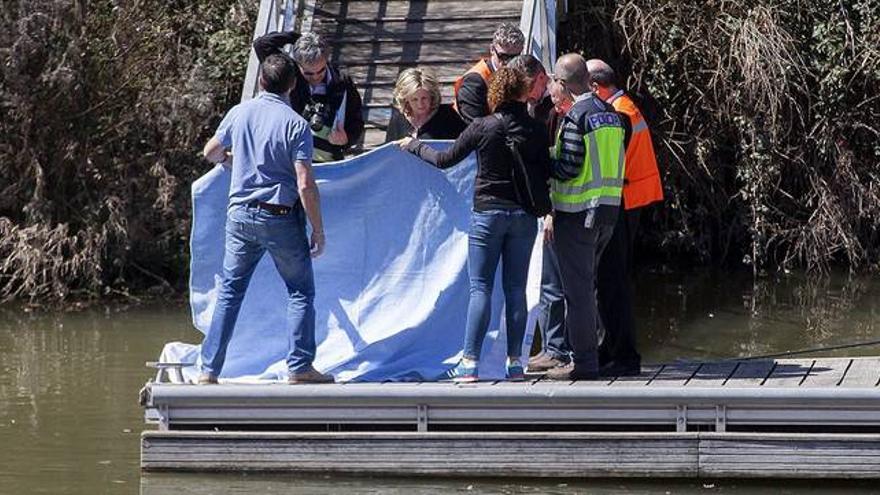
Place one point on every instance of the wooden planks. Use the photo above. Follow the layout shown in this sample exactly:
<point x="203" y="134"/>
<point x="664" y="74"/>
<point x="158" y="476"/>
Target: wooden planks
<point x="789" y="373"/>
<point x="675" y="374"/>
<point x="447" y="72"/>
<point x="862" y="373"/>
<point x="459" y="454"/>
<point x="642" y="379"/>
<point x="712" y="374"/>
<point x="417" y="8"/>
<point x="816" y="394"/>
<point x="750" y="373"/>
<point x="827" y="372"/>
<point x="396" y="52"/>
<point x="387" y="26"/>
<point x="805" y="455"/>
<point x="487" y="454"/>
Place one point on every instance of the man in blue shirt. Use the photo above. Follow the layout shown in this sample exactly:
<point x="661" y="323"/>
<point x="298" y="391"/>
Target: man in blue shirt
<point x="271" y="194"/>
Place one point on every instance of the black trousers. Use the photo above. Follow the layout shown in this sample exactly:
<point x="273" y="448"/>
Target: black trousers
<point x="579" y="250"/>
<point x="614" y="295"/>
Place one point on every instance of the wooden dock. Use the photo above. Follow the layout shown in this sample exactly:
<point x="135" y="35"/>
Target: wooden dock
<point x="766" y="418"/>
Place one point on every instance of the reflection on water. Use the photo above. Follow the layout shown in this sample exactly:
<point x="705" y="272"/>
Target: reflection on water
<point x="69" y="419"/>
<point x="716" y="315"/>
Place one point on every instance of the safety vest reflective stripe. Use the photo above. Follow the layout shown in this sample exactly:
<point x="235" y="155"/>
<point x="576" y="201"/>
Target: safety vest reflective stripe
<point x="590" y="202"/>
<point x="643" y="185"/>
<point x="601" y="178"/>
<point x="640" y="126"/>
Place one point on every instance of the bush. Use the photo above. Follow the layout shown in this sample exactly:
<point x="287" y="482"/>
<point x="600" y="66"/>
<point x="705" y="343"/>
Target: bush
<point x="766" y="119"/>
<point x="103" y="109"/>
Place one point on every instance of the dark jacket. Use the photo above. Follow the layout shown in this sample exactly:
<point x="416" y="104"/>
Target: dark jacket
<point x="301" y="98"/>
<point x="472" y="97"/>
<point x="487" y="135"/>
<point x="444" y="124"/>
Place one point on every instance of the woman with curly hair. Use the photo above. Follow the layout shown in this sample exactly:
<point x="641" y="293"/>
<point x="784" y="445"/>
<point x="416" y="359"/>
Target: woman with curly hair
<point x="417" y="111"/>
<point x="500" y="228"/>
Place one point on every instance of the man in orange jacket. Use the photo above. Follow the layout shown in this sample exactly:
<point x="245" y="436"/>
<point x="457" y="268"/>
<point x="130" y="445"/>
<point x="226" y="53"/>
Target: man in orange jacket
<point x="641" y="187"/>
<point x="472" y="88"/>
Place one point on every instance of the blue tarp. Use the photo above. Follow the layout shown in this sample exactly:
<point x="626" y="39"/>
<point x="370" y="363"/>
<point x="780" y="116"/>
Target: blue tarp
<point x="392" y="287"/>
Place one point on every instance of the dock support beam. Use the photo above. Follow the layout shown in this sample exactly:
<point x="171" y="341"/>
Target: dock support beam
<point x="720" y="418"/>
<point x="681" y="421"/>
<point x="422" y="418"/>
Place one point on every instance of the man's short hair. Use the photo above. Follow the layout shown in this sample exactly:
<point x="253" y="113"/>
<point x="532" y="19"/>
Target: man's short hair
<point x="602" y="74"/>
<point x="508" y="35"/>
<point x="528" y="65"/>
<point x="572" y="68"/>
<point x="277" y="74"/>
<point x="309" y="48"/>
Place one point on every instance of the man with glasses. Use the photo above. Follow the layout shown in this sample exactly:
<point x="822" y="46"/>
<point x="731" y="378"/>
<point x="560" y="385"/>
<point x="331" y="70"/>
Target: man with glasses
<point x="471" y="89"/>
<point x="327" y="98"/>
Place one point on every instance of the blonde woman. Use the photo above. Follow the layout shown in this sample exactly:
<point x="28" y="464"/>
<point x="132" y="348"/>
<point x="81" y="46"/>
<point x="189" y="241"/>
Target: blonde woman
<point x="417" y="110"/>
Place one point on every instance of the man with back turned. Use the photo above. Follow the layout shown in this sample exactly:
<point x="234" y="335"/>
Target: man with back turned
<point x="271" y="193"/>
<point x="618" y="352"/>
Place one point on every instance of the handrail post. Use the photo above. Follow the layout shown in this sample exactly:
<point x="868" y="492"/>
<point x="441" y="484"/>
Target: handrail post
<point x="538" y="23"/>
<point x="264" y="18"/>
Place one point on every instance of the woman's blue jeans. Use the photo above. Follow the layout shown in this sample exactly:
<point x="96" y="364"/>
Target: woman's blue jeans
<point x="507" y="235"/>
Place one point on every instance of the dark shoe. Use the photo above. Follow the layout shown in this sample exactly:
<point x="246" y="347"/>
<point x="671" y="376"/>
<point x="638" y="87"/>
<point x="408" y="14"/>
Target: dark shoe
<point x="613" y="370"/>
<point x="548" y="362"/>
<point x="308" y="375"/>
<point x="569" y="373"/>
<point x="207" y="379"/>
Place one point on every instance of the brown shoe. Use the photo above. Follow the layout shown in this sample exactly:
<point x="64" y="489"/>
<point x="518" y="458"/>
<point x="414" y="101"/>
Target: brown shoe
<point x="309" y="375"/>
<point x="546" y="363"/>
<point x="206" y="379"/>
<point x="537" y="358"/>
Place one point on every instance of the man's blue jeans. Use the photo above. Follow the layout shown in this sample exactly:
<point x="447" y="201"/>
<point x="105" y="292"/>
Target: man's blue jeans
<point x="507" y="235"/>
<point x="551" y="307"/>
<point x="250" y="232"/>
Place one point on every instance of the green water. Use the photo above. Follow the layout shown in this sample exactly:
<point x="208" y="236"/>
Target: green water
<point x="69" y="418"/>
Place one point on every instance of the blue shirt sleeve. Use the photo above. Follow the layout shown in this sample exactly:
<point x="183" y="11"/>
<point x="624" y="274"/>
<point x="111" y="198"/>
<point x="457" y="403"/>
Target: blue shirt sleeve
<point x="224" y="130"/>
<point x="302" y="143"/>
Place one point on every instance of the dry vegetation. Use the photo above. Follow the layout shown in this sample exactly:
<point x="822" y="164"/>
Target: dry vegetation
<point x="767" y="118"/>
<point x="103" y="106"/>
<point x="766" y="115"/>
